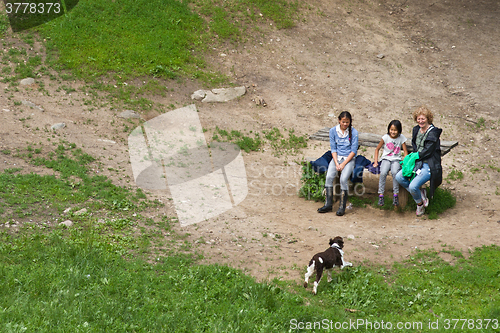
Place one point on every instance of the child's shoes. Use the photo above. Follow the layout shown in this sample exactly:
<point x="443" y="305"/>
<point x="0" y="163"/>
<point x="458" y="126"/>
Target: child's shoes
<point x="381" y="200"/>
<point x="395" y="200"/>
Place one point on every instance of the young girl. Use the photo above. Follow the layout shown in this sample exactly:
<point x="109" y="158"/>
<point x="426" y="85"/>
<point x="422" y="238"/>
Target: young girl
<point x="392" y="142"/>
<point x="344" y="147"/>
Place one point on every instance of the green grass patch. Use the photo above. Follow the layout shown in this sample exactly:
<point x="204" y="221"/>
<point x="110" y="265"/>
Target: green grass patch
<point x="443" y="200"/>
<point x="246" y="143"/>
<point x="126" y="37"/>
<point x="313" y="184"/>
<point x="279" y="144"/>
<point x="455" y="175"/>
<point x="64" y="281"/>
<point x="24" y="196"/>
<point x="161" y="38"/>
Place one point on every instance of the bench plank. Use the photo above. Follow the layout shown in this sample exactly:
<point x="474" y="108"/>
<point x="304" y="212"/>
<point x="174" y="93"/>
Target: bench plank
<point x="372" y="140"/>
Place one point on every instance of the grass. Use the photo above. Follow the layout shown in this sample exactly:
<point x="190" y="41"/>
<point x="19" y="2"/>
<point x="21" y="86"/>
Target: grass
<point x="62" y="281"/>
<point x="313" y="184"/>
<point x="161" y="38"/>
<point x="455" y="175"/>
<point x="72" y="184"/>
<point x="109" y="43"/>
<point x="278" y="143"/>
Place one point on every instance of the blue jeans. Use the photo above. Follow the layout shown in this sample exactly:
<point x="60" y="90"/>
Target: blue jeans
<point x="414" y="186"/>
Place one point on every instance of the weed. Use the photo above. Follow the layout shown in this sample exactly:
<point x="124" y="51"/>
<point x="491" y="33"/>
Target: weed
<point x="313" y="184"/>
<point x="481" y="123"/>
<point x="455" y="175"/>
<point x="244" y="142"/>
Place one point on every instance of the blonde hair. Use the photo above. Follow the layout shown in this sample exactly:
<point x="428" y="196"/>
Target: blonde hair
<point x="423" y="111"/>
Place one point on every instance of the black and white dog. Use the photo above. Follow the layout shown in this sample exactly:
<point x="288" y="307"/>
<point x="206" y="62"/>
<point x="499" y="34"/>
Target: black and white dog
<point x="332" y="257"/>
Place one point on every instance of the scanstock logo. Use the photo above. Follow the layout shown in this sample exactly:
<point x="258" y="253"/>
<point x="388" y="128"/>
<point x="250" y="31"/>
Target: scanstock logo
<point x="170" y="151"/>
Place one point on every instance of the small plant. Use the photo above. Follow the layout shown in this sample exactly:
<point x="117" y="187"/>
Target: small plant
<point x="313" y="184"/>
<point x="244" y="142"/>
<point x="481" y="123"/>
<point x="455" y="175"/>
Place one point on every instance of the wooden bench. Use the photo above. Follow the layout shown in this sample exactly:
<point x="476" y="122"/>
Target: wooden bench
<point x="372" y="140"/>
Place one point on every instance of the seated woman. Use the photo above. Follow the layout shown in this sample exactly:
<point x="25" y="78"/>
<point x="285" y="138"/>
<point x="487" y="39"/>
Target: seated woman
<point x="425" y="141"/>
<point x="344" y="147"/>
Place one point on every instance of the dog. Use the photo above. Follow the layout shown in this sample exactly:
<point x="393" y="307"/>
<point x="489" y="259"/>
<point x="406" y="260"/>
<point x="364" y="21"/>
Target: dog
<point x="332" y="257"/>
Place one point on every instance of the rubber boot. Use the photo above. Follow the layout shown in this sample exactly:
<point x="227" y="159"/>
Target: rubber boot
<point x="343" y="203"/>
<point x="328" y="202"/>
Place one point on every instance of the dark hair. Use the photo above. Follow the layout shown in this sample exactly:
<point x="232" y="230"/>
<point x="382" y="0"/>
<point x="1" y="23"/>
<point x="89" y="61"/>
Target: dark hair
<point x="346" y="114"/>
<point x="396" y="124"/>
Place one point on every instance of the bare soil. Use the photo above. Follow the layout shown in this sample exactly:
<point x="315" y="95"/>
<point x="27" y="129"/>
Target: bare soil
<point x="380" y="61"/>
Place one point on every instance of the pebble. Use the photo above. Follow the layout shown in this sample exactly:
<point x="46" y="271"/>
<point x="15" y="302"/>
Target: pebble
<point x="57" y="126"/>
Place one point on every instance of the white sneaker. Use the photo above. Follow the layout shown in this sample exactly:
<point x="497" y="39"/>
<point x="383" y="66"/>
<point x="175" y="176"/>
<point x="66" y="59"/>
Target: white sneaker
<point x="424" y="197"/>
<point x="420" y="210"/>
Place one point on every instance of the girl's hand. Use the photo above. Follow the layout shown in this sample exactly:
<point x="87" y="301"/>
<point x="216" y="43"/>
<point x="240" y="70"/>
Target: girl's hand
<point x="340" y="166"/>
<point x="375" y="164"/>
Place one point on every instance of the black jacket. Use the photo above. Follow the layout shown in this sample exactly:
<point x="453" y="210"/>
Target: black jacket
<point x="432" y="154"/>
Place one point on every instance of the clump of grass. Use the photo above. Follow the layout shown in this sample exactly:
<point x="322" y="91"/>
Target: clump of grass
<point x="244" y="142"/>
<point x="360" y="202"/>
<point x="442" y="200"/>
<point x="313" y="184"/>
<point x="277" y="141"/>
<point x="282" y="145"/>
<point x="481" y="123"/>
<point x="455" y="175"/>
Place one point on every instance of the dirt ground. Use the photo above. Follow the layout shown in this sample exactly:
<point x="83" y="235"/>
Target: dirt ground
<point x="380" y="61"/>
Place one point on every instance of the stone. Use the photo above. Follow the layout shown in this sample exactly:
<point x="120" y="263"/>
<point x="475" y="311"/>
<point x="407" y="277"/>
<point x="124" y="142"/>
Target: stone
<point x="198" y="95"/>
<point x="67" y="223"/>
<point x="27" y="81"/>
<point x="218" y="95"/>
<point x="32" y="105"/>
<point x="57" y="126"/>
<point x="81" y="211"/>
<point x="127" y="114"/>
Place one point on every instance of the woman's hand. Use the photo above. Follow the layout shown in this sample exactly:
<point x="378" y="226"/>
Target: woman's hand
<point x="341" y="166"/>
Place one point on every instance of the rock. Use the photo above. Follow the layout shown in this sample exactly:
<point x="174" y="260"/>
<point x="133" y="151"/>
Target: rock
<point x="218" y="95"/>
<point x="67" y="210"/>
<point x="32" y="105"/>
<point x="27" y="81"/>
<point x="81" y="211"/>
<point x="198" y="95"/>
<point x="107" y="141"/>
<point x="127" y="114"/>
<point x="67" y="223"/>
<point x="381" y="56"/>
<point x="350" y="236"/>
<point x="57" y="126"/>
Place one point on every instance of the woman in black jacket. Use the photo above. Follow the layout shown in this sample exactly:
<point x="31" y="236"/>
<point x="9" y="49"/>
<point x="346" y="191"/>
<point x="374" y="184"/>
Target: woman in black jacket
<point x="425" y="141"/>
